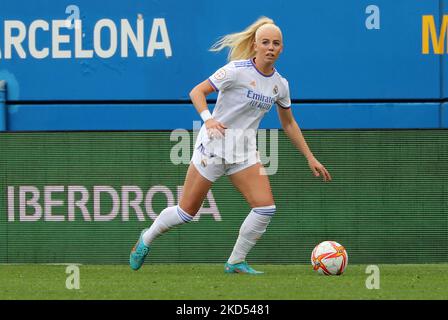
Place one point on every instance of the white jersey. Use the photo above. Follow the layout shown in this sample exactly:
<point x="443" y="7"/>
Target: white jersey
<point x="245" y="95"/>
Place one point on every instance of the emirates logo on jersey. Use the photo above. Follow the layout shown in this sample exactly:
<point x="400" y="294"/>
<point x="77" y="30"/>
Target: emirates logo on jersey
<point x="260" y="101"/>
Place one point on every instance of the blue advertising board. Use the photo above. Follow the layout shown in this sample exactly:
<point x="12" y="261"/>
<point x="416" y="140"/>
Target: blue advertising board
<point x="184" y="116"/>
<point x="158" y="50"/>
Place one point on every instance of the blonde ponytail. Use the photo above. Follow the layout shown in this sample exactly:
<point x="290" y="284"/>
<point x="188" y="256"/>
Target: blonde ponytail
<point x="241" y="43"/>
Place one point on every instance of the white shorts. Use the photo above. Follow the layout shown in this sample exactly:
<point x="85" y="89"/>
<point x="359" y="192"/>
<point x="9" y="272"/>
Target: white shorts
<point x="213" y="167"/>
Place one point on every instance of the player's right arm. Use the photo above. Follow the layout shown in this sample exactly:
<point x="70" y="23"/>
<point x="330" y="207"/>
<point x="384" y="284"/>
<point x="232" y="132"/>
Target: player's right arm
<point x="198" y="97"/>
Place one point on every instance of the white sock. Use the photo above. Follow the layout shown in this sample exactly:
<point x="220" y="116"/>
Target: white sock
<point x="251" y="230"/>
<point x="168" y="218"/>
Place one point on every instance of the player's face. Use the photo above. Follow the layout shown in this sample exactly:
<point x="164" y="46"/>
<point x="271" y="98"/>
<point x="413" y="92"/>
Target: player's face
<point x="268" y="45"/>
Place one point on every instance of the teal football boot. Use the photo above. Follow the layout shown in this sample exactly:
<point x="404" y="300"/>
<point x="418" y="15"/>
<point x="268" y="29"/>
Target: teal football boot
<point x="241" y="267"/>
<point x="138" y="253"/>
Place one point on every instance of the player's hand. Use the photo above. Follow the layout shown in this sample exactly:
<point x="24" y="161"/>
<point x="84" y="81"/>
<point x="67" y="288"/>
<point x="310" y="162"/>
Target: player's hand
<point x="318" y="169"/>
<point x="215" y="129"/>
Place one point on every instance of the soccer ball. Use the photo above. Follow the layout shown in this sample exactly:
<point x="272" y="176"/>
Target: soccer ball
<point x="329" y="258"/>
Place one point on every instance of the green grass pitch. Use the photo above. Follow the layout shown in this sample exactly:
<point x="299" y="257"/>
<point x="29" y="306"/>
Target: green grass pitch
<point x="208" y="282"/>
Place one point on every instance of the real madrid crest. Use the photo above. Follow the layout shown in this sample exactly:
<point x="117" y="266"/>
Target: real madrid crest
<point x="275" y="89"/>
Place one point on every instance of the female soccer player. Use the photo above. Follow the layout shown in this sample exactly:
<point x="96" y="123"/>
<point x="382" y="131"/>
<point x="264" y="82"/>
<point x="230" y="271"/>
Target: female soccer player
<point x="248" y="86"/>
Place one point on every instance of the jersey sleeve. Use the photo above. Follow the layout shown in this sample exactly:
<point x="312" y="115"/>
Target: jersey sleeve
<point x="223" y="78"/>
<point x="284" y="100"/>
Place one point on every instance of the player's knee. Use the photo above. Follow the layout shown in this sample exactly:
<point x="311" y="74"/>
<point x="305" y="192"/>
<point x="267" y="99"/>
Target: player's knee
<point x="261" y="201"/>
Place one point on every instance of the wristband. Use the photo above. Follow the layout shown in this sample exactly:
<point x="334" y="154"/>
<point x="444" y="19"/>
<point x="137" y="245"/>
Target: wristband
<point x="205" y="115"/>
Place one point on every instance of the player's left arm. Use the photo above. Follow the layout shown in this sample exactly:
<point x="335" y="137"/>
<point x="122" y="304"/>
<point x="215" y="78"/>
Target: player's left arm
<point x="292" y="130"/>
